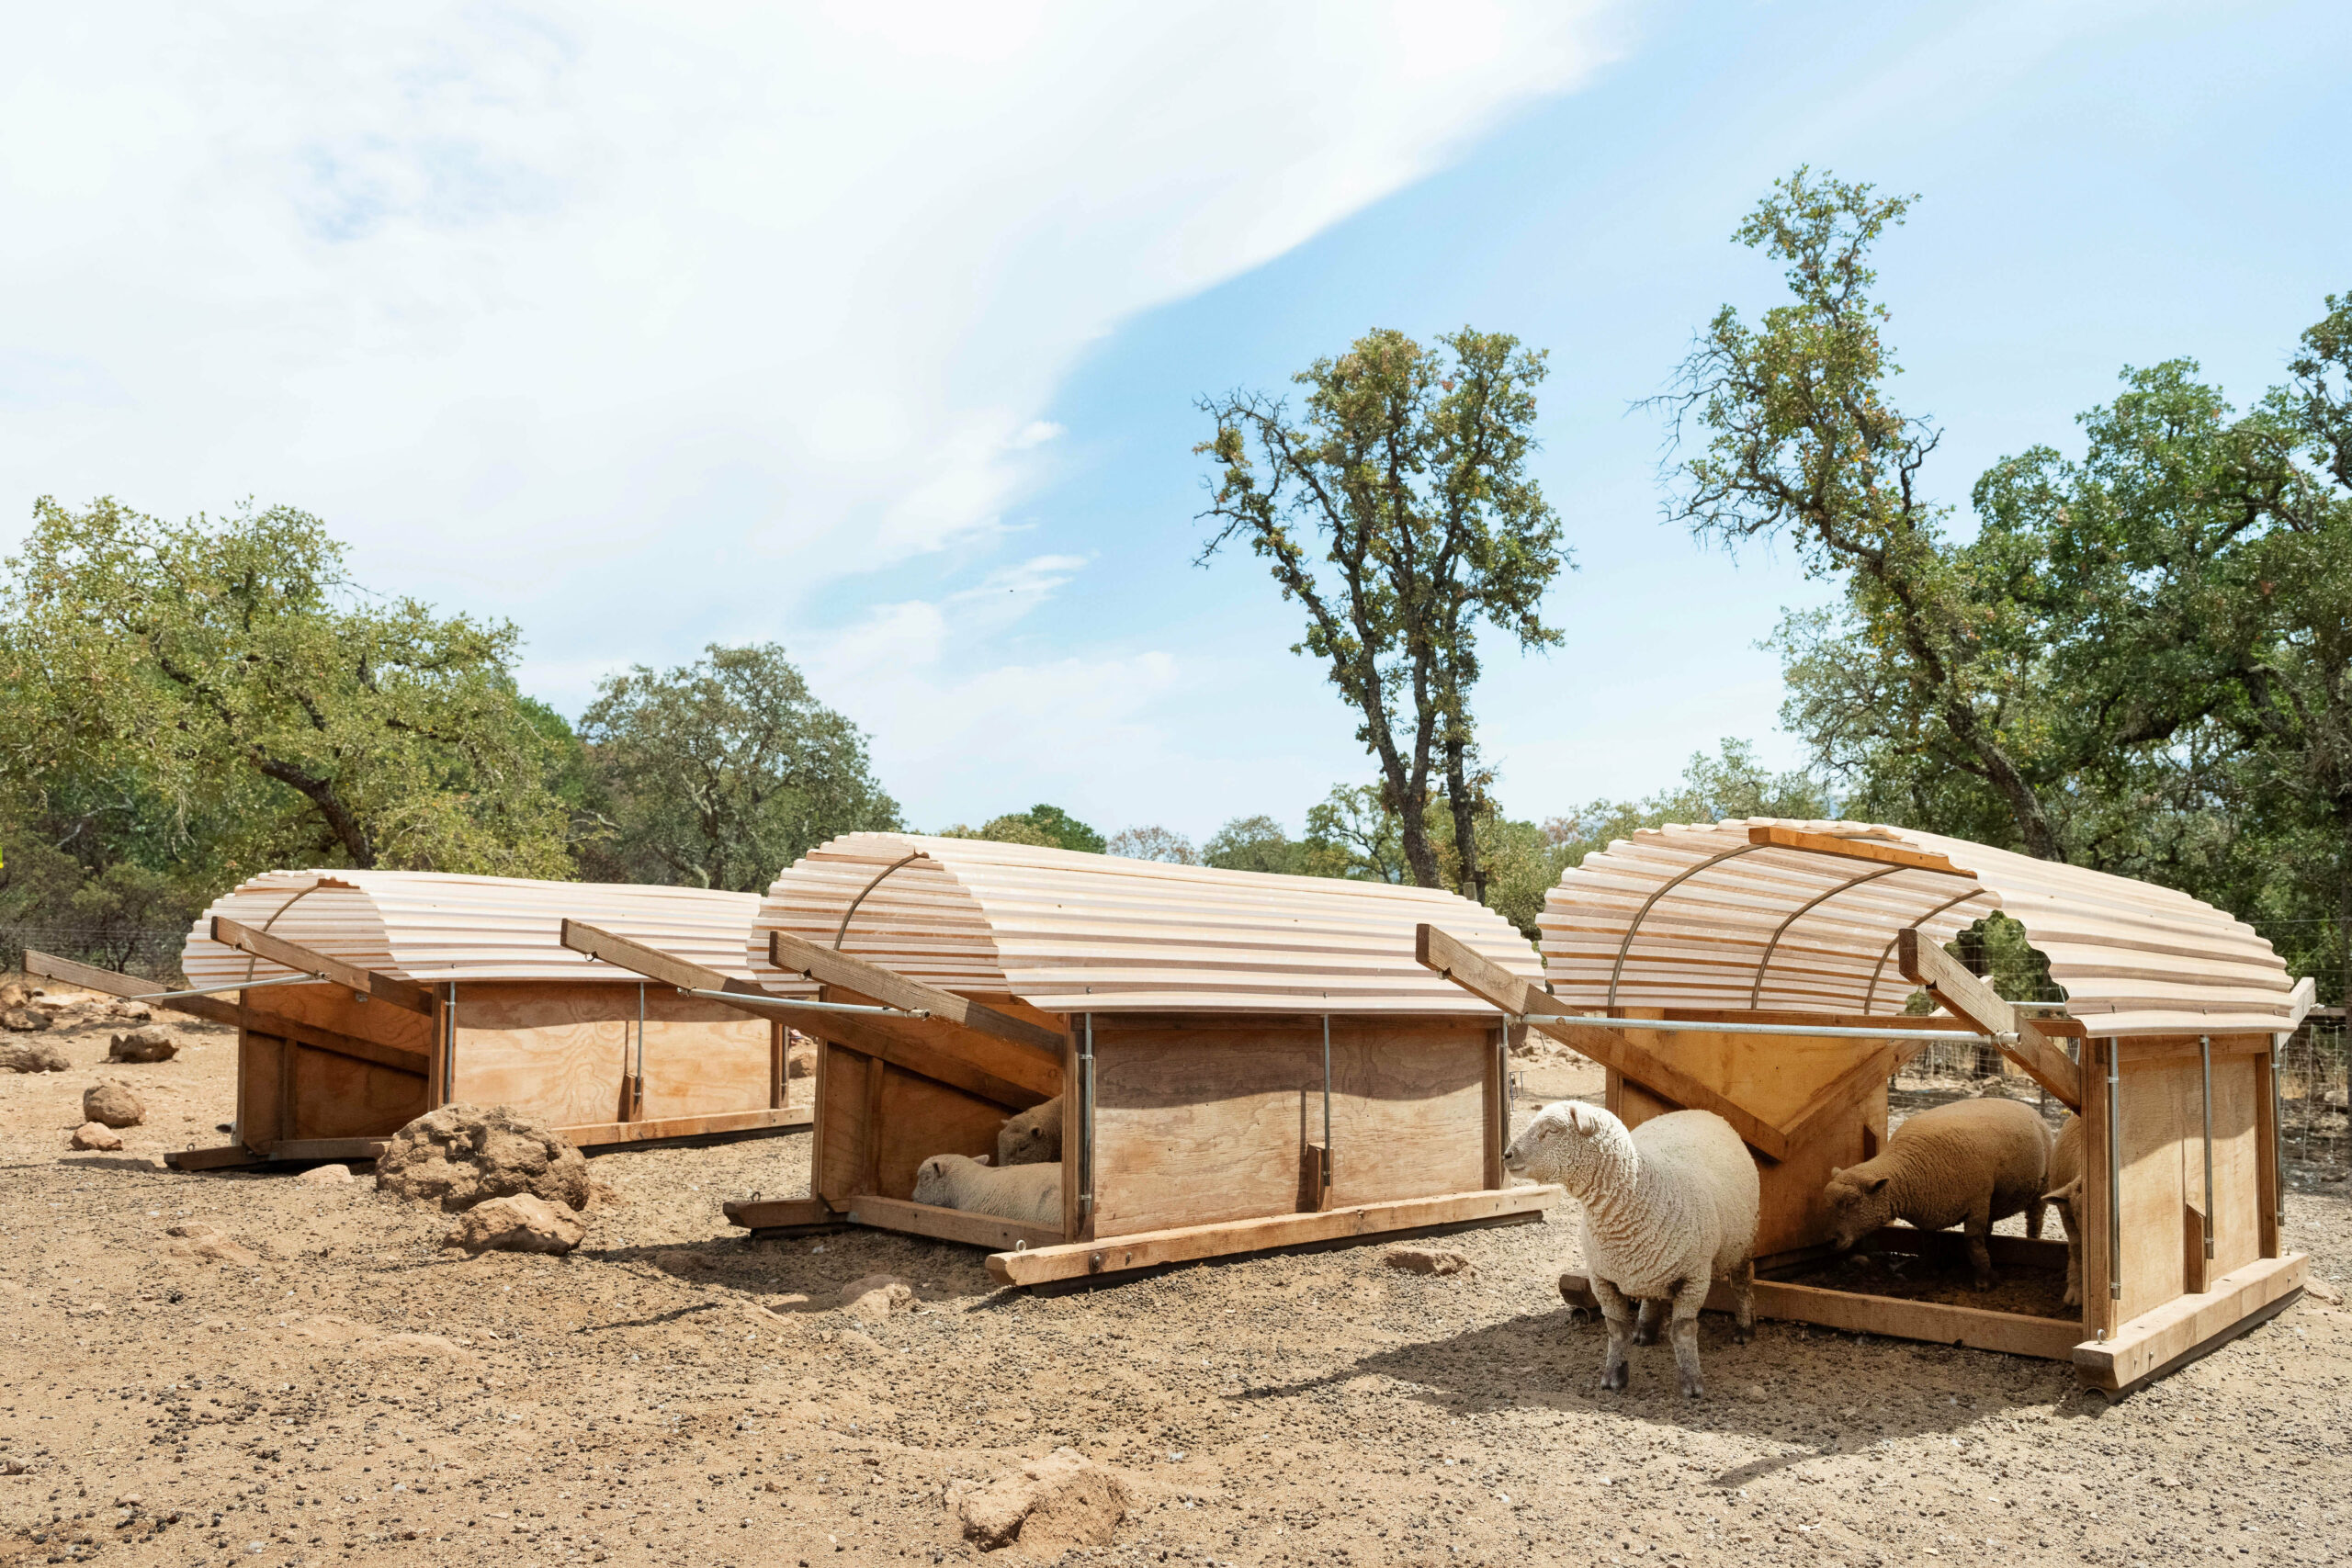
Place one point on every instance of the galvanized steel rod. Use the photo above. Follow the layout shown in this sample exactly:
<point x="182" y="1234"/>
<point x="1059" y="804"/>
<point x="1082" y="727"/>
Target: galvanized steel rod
<point x="2205" y="1052"/>
<point x="1086" y="1123"/>
<point x="167" y="998"/>
<point x="2114" y="1174"/>
<point x="2279" y="1131"/>
<point x="1327" y="1100"/>
<point x="745" y="998"/>
<point x="1690" y="1026"/>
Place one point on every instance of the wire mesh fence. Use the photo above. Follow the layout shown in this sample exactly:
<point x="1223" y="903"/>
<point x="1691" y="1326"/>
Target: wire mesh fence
<point x="150" y="952"/>
<point x="2313" y="1090"/>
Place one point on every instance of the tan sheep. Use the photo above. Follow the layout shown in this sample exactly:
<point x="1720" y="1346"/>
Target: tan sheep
<point x="1033" y="1137"/>
<point x="2065" y="1192"/>
<point x="1970" y="1164"/>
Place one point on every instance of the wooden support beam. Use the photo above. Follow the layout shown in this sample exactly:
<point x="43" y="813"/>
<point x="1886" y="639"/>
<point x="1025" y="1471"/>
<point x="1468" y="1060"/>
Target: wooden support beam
<point x="949" y="1224"/>
<point x="371" y="983"/>
<point x="2049" y="1338"/>
<point x="275" y="1026"/>
<point x="228" y="1157"/>
<point x="1840" y="1095"/>
<point x="1493" y="984"/>
<point x="109" y="983"/>
<point x="1854" y="849"/>
<point x="910" y="1053"/>
<point x="1924" y="963"/>
<point x="593" y="1135"/>
<point x="656" y="964"/>
<point x="890" y="988"/>
<point x="326" y="1148"/>
<point x="778" y="1213"/>
<point x="1148" y="1249"/>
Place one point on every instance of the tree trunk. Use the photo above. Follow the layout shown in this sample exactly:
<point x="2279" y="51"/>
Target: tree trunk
<point x="1465" y="823"/>
<point x="321" y="794"/>
<point x="2025" y="806"/>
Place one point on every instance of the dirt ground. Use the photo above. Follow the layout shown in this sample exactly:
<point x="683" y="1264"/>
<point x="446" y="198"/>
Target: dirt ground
<point x="673" y="1392"/>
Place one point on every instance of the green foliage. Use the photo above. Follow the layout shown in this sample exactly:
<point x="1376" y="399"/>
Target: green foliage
<point x="721" y="772"/>
<point x="1399" y="513"/>
<point x="1048" y="826"/>
<point x="1256" y="843"/>
<point x="1153" y="842"/>
<point x="1726" y="786"/>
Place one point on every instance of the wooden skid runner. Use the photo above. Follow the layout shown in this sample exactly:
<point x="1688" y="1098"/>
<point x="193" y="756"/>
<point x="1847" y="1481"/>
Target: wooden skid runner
<point x="2050" y="1338"/>
<point x="789" y="1118"/>
<point x="1146" y="1249"/>
<point x="2183" y="1329"/>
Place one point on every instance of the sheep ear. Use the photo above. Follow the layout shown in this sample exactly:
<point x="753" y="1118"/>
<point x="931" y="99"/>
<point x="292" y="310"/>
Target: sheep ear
<point x="1836" y="1171"/>
<point x="979" y="1159"/>
<point x="1877" y="1184"/>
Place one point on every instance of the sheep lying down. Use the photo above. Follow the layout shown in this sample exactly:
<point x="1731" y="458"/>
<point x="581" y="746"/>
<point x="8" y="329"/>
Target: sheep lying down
<point x="1972" y="1163"/>
<point x="1029" y="1193"/>
<point x="1668" y="1209"/>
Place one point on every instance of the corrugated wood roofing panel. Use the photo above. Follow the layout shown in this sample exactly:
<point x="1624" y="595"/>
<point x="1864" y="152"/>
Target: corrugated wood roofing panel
<point x="2133" y="957"/>
<point x="1073" y="932"/>
<point x="431" y="926"/>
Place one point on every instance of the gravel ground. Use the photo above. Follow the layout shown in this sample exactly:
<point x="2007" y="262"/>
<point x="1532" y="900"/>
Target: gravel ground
<point x="674" y="1393"/>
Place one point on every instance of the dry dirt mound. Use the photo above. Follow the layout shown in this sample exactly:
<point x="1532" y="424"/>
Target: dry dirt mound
<point x="1062" y="1500"/>
<point x="461" y="1155"/>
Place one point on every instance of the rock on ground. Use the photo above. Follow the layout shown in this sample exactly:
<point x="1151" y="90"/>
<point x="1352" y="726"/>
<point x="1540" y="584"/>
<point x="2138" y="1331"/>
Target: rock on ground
<point x="150" y="1043"/>
<point x="13" y="995"/>
<point x="95" y="1135"/>
<point x="1062" y="1500"/>
<point x="461" y="1155"/>
<point x="198" y="1239"/>
<point x="800" y="1056"/>
<point x="23" y="1018"/>
<point x="518" y="1223"/>
<point x="326" y="1175"/>
<point x="1427" y="1260"/>
<point x="31" y="1057"/>
<point x="875" y="1297"/>
<point x="110" y="1101"/>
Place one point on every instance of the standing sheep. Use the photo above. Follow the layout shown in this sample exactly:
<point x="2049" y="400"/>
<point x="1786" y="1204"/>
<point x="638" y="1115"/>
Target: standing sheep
<point x="2065" y="1192"/>
<point x="1971" y="1163"/>
<point x="1668" y="1209"/>
<point x="1033" y="1137"/>
<point x="1029" y="1193"/>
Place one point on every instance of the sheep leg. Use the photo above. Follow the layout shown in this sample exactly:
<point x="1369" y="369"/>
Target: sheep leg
<point x="1743" y="1296"/>
<point x="1619" y="1314"/>
<point x="1689" y="1297"/>
<point x="1980" y="1256"/>
<point x="2035" y="1212"/>
<point x="1647" y="1321"/>
<point x="2074" y="1255"/>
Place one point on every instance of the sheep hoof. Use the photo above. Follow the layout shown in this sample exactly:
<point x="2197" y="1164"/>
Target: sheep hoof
<point x="1985" y="1281"/>
<point x="1741" y="1332"/>
<point x="1693" y="1389"/>
<point x="1645" y="1333"/>
<point x="1614" y="1379"/>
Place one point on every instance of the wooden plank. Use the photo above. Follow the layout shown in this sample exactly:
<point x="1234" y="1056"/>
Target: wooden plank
<point x="656" y="964"/>
<point x="1840" y="1097"/>
<point x="337" y="1096"/>
<point x="325" y="1148"/>
<point x="373" y="984"/>
<point x="107" y="982"/>
<point x="919" y="1118"/>
<point x="1854" y="849"/>
<point x="773" y="1214"/>
<point x="841" y="1098"/>
<point x="869" y="1127"/>
<point x="2048" y="1338"/>
<point x="779" y="1118"/>
<point x="2162" y="1172"/>
<point x="1805" y="1023"/>
<point x="2266" y="1153"/>
<point x="226" y="1158"/>
<point x="908" y="1047"/>
<point x="1497" y="985"/>
<point x="278" y="1026"/>
<point x="949" y="1224"/>
<point x="1496" y="1095"/>
<point x="1925" y="963"/>
<point x="828" y="967"/>
<point x="1148" y="1249"/>
<point x="2198" y="1323"/>
<point x="2091" y="1215"/>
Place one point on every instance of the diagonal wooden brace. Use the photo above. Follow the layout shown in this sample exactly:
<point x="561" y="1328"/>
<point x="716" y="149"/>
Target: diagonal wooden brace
<point x="107" y="982"/>
<point x="369" y="985"/>
<point x="890" y="988"/>
<point x="1925" y="964"/>
<point x="1493" y="984"/>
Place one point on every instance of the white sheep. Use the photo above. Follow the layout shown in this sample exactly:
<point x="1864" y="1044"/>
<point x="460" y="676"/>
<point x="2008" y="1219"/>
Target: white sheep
<point x="2065" y="1192"/>
<point x="1029" y="1193"/>
<point x="1668" y="1209"/>
<point x="1033" y="1137"/>
<point x="1971" y="1163"/>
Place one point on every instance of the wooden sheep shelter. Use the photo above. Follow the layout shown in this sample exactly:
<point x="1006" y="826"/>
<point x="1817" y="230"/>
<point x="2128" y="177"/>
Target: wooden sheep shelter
<point x="364" y="999"/>
<point x="1258" y="1060"/>
<point x="1758" y="939"/>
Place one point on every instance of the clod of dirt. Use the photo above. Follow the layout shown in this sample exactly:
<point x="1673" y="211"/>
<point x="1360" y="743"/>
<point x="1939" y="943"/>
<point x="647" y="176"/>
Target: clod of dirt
<point x="208" y="1242"/>
<point x="518" y="1223"/>
<point x="150" y="1043"/>
<point x="109" y="1101"/>
<point x="95" y="1135"/>
<point x="31" y="1057"/>
<point x="23" y="1018"/>
<point x="1426" y="1260"/>
<point x="1062" y="1500"/>
<point x="326" y="1175"/>
<point x="874" y="1297"/>
<point x="461" y="1155"/>
<point x="13" y="995"/>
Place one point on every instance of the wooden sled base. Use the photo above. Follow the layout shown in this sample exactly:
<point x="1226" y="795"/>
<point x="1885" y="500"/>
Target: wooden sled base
<point x="1039" y="1257"/>
<point x="596" y="1136"/>
<point x="2149" y="1346"/>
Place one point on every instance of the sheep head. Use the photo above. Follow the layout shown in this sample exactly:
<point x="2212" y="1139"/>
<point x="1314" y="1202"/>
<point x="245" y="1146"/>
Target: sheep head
<point x="1859" y="1201"/>
<point x="933" y="1184"/>
<point x="1569" y="1142"/>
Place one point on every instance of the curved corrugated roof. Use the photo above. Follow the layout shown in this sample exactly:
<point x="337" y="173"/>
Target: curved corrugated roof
<point x="2133" y="958"/>
<point x="1074" y="933"/>
<point x="425" y="925"/>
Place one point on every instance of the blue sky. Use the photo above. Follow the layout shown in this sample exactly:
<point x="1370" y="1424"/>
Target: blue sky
<point x="878" y="333"/>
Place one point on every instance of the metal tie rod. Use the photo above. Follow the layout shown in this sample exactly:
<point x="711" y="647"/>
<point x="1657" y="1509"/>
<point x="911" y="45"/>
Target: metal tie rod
<point x="1688" y="1026"/>
<point x="240" y="986"/>
<point x="745" y="998"/>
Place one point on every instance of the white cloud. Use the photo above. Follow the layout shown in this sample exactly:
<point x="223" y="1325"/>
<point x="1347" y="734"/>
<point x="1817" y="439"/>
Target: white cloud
<point x="649" y="324"/>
